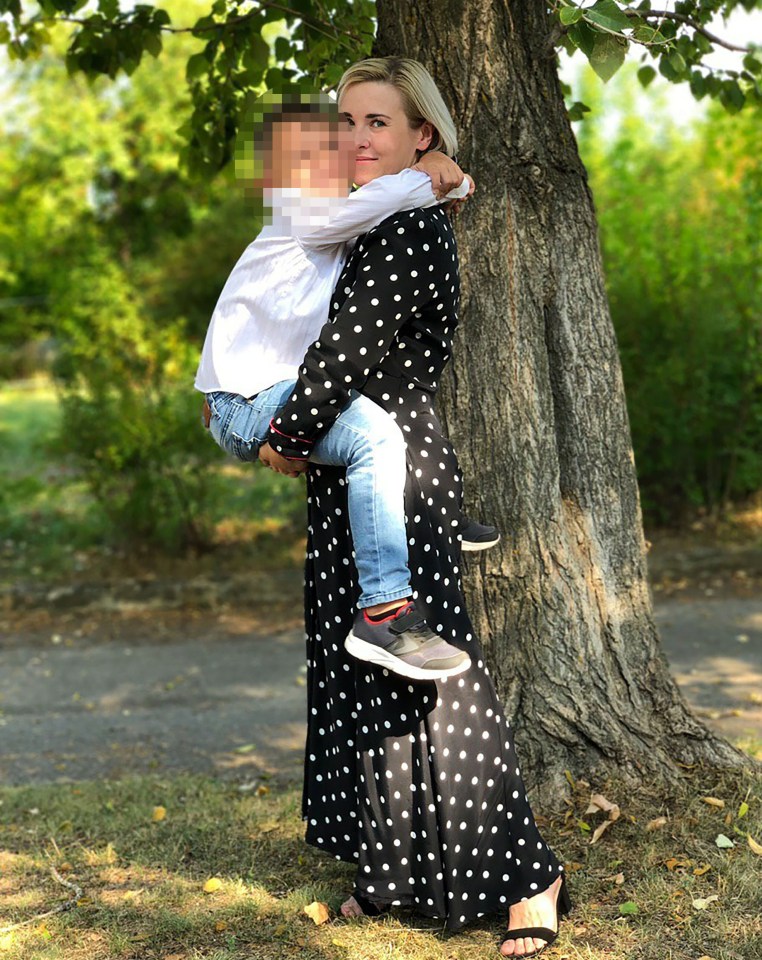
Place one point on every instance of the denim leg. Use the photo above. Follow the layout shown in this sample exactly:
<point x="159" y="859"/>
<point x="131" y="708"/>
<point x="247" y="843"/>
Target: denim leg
<point x="239" y="425"/>
<point x="366" y="440"/>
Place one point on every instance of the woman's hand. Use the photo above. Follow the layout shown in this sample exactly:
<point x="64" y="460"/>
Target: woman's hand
<point x="273" y="460"/>
<point x="445" y="174"/>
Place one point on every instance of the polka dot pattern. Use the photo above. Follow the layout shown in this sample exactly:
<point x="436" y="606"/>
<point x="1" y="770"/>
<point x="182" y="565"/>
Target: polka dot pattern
<point x="416" y="783"/>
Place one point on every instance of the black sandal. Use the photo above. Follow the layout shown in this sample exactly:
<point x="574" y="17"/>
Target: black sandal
<point x="369" y="908"/>
<point x="563" y="906"/>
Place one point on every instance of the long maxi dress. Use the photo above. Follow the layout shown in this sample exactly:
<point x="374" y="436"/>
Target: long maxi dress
<point x="415" y="782"/>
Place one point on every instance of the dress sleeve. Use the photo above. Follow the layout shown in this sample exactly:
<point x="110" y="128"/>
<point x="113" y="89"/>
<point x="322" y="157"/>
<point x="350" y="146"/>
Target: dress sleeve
<point x="386" y="291"/>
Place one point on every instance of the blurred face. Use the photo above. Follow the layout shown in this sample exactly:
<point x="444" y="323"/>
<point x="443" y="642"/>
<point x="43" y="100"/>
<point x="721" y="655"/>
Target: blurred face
<point x="383" y="139"/>
<point x="314" y="154"/>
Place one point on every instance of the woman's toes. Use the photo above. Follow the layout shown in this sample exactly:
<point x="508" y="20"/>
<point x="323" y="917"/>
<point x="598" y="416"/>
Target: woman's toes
<point x="351" y="908"/>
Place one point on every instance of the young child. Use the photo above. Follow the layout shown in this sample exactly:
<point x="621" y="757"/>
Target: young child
<point x="271" y="309"/>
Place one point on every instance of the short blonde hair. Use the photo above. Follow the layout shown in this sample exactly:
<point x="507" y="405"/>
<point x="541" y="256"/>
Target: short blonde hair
<point x="421" y="99"/>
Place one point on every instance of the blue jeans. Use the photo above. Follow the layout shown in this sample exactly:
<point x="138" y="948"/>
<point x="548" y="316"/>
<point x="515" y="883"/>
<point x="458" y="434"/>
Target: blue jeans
<point x="365" y="440"/>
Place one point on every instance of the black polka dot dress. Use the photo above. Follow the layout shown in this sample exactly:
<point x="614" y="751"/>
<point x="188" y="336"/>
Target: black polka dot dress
<point x="415" y="782"/>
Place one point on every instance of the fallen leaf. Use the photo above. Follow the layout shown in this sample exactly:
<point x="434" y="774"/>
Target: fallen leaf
<point x="159" y="813"/>
<point x="755" y="847"/>
<point x="723" y="841"/>
<point x="262" y="790"/>
<point x="317" y="911"/>
<point x="700" y="871"/>
<point x="212" y="884"/>
<point x="600" y="829"/>
<point x="628" y="908"/>
<point x="221" y="925"/>
<point x="656" y="824"/>
<point x="246" y="748"/>
<point x="619" y="878"/>
<point x="674" y="862"/>
<point x="743" y="809"/>
<point x="713" y="802"/>
<point x="701" y="903"/>
<point x="599" y="802"/>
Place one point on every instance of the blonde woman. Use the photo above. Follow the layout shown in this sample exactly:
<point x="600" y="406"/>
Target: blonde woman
<point x="417" y="784"/>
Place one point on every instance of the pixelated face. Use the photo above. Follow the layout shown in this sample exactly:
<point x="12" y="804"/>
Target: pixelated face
<point x="315" y="154"/>
<point x="384" y="141"/>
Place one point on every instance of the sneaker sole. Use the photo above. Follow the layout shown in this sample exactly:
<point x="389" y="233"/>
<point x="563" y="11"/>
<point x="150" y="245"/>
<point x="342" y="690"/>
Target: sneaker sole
<point x="474" y="545"/>
<point x="370" y="653"/>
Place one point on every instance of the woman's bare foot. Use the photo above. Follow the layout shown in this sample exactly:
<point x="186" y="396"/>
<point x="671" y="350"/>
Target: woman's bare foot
<point x="537" y="911"/>
<point x="351" y="908"/>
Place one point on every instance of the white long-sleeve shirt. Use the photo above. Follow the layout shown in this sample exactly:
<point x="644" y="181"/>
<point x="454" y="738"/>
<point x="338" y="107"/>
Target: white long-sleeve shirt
<point x="275" y="301"/>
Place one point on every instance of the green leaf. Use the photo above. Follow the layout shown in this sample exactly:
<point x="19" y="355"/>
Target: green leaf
<point x="152" y="42"/>
<point x="283" y="49"/>
<point x="732" y="96"/>
<point x="583" y="36"/>
<point x="332" y="74"/>
<point x="196" y="67"/>
<point x="606" y="13"/>
<point x="607" y="56"/>
<point x="109" y="8"/>
<point x="743" y="809"/>
<point x="752" y="64"/>
<point x="677" y="61"/>
<point x="577" y="110"/>
<point x="628" y="908"/>
<point x="697" y="85"/>
<point x="571" y="14"/>
<point x="646" y="75"/>
<point x="723" y="841"/>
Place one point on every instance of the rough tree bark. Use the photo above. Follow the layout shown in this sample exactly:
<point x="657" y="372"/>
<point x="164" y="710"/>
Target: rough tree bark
<point x="534" y="403"/>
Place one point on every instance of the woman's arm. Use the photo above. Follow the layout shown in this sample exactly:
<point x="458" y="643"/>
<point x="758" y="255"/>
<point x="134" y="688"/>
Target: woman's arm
<point x="385" y="293"/>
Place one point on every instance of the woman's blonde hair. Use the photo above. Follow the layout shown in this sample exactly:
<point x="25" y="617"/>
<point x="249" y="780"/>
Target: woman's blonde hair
<point x="421" y="99"/>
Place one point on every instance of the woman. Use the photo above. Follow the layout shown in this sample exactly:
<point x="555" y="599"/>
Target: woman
<point x="418" y="784"/>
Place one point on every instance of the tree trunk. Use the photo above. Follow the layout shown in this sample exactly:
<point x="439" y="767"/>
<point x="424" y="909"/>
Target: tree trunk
<point x="534" y="403"/>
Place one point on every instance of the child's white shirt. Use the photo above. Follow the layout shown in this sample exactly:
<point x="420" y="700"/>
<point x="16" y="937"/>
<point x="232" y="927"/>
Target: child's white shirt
<point x="276" y="299"/>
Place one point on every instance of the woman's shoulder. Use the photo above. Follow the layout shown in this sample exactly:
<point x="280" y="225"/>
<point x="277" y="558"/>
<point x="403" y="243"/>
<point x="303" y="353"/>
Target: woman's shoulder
<point x="415" y="227"/>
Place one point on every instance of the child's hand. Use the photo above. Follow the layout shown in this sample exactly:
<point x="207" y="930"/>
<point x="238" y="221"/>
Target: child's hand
<point x="453" y="206"/>
<point x="273" y="460"/>
<point x="445" y="174"/>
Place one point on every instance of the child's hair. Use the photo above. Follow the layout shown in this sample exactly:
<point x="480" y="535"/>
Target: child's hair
<point x="255" y="133"/>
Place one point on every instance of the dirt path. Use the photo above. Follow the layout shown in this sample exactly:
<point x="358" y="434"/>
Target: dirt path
<point x="110" y="694"/>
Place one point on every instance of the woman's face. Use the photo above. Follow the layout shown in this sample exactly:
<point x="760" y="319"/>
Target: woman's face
<point x="384" y="140"/>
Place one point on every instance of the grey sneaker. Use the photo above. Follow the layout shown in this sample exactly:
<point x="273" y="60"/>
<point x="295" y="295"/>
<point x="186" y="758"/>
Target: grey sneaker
<point x="405" y="644"/>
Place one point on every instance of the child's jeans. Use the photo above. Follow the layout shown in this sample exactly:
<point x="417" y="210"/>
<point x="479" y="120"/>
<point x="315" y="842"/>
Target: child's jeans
<point x="365" y="440"/>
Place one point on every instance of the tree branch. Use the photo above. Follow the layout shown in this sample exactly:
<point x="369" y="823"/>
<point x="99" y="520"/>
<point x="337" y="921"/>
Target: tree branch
<point x="315" y="24"/>
<point x="682" y="18"/>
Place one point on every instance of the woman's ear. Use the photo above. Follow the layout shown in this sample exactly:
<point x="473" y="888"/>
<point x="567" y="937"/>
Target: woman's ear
<point x="425" y="136"/>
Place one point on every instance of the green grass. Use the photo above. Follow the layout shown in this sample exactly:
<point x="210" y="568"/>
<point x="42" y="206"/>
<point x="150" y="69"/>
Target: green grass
<point x="52" y="528"/>
<point x="143" y="880"/>
<point x="46" y="511"/>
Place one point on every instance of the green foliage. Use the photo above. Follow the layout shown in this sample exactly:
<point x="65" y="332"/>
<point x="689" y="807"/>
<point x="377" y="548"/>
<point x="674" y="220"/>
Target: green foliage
<point x="128" y="416"/>
<point x="681" y="234"/>
<point x="675" y="40"/>
<point x="245" y="49"/>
